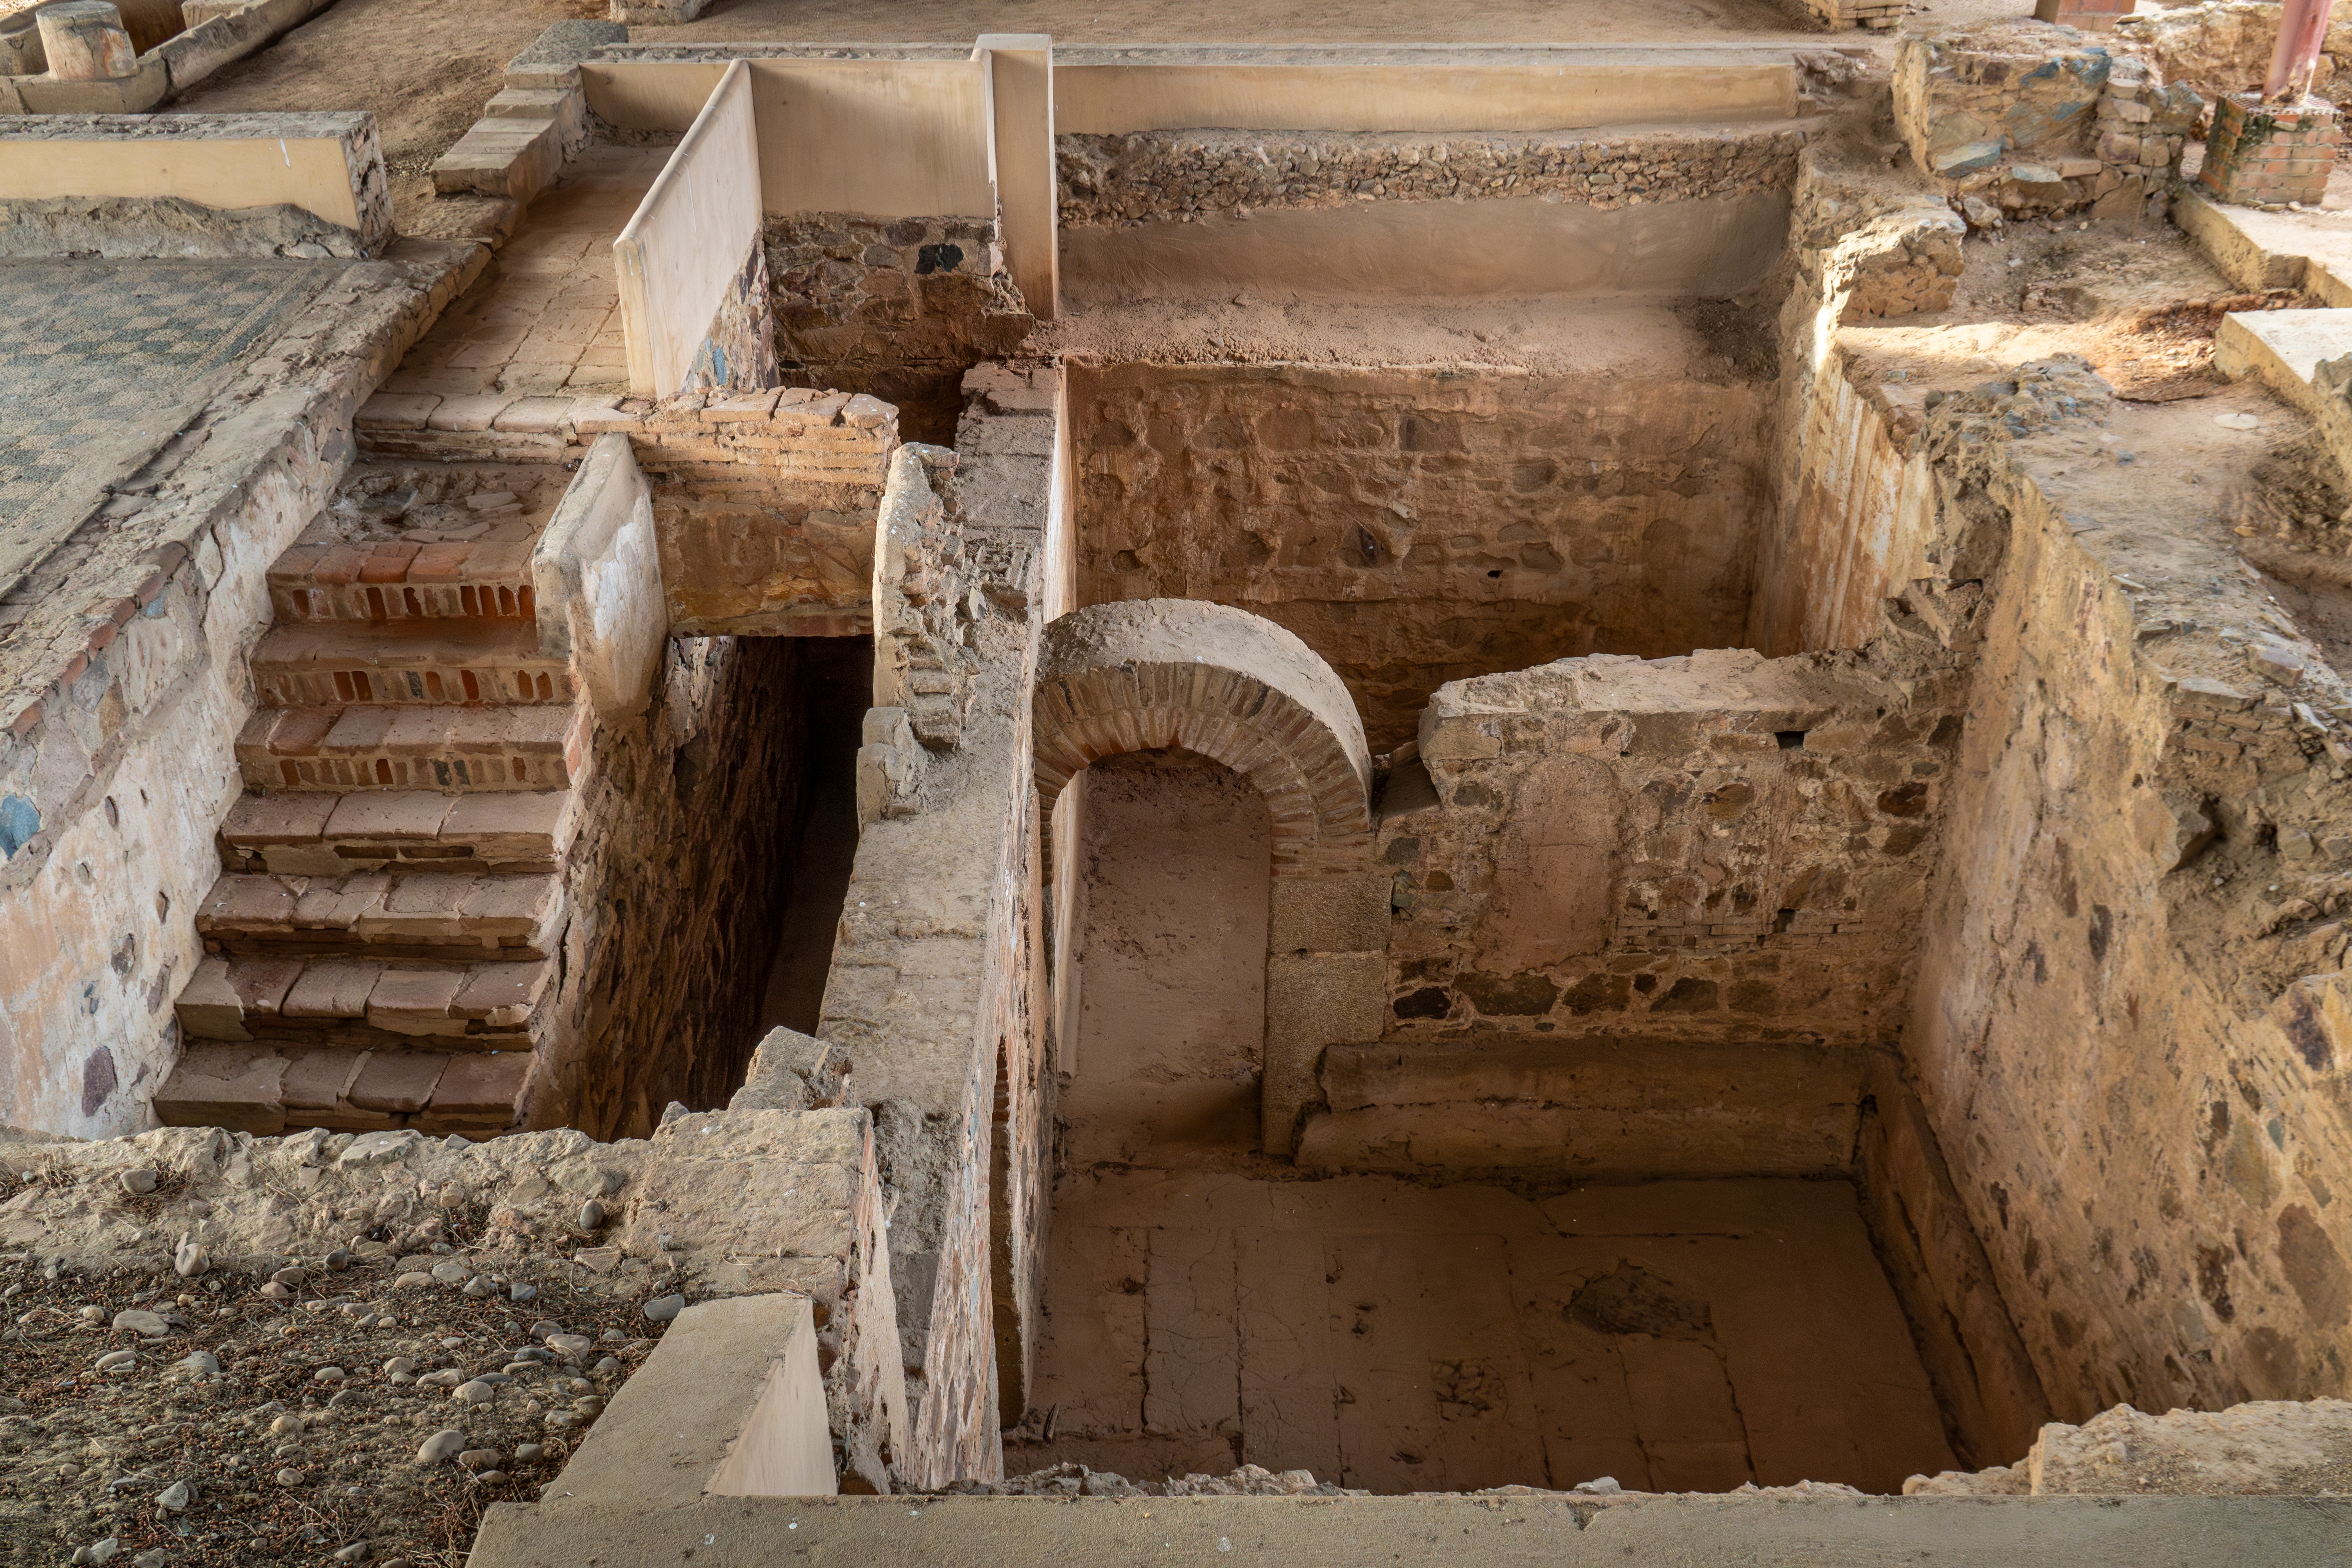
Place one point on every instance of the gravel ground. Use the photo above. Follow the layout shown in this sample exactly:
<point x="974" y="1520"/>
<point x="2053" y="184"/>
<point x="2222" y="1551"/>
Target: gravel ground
<point x="305" y="1445"/>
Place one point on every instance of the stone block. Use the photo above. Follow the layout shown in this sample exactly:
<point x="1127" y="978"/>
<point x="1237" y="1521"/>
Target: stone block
<point x="201" y="50"/>
<point x="1342" y="914"/>
<point x="317" y="1080"/>
<point x="482" y="1086"/>
<point x="209" y="1007"/>
<point x="220" y="1086"/>
<point x="1314" y="1000"/>
<point x="142" y="91"/>
<point x="514" y="156"/>
<point x="85" y="41"/>
<point x="553" y="60"/>
<point x="397" y="1082"/>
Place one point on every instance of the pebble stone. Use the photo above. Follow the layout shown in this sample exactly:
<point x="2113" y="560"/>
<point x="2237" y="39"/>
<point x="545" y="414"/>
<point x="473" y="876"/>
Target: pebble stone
<point x="139" y="1322"/>
<point x="662" y="1308"/>
<point x="476" y="1392"/>
<point x="518" y="1291"/>
<point x="138" y="1181"/>
<point x="412" y="1279"/>
<point x="355" y="1551"/>
<point x="173" y="1497"/>
<point x="189" y="1260"/>
<point x="328" y="1374"/>
<point x="98" y="1551"/>
<point x="592" y="1214"/>
<point x="528" y="1453"/>
<point x="479" y="1458"/>
<point x="113" y="1359"/>
<point x="445" y="1444"/>
<point x="569" y="1345"/>
<point x="399" y="1364"/>
<point x="289" y="1477"/>
<point x="197" y="1363"/>
<point x="608" y="1366"/>
<point x="450" y="1273"/>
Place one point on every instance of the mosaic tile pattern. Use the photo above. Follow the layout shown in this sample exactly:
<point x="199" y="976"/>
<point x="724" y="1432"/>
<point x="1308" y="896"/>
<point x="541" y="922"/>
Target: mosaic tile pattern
<point x="108" y="359"/>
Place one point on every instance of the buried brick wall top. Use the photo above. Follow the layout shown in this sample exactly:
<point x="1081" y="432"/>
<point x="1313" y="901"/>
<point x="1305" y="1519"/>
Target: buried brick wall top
<point x="1143" y="674"/>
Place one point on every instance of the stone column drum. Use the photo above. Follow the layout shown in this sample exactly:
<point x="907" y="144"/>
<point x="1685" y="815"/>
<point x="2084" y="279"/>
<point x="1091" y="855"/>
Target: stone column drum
<point x="85" y="40"/>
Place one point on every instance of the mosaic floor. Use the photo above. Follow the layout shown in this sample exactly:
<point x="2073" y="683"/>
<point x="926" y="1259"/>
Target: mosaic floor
<point x="111" y="358"/>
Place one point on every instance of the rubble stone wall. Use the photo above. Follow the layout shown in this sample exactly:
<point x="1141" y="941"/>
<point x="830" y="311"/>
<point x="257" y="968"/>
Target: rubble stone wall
<point x="1713" y="848"/>
<point x="1414" y="529"/>
<point x="899" y="309"/>
<point x="2030" y="117"/>
<point x="1177" y="176"/>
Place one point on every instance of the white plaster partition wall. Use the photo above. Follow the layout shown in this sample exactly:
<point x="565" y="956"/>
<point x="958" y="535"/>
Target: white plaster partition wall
<point x="1021" y="151"/>
<point x="330" y="165"/>
<point x="686" y="246"/>
<point x="882" y="138"/>
<point x="1537" y="88"/>
<point x="596" y="578"/>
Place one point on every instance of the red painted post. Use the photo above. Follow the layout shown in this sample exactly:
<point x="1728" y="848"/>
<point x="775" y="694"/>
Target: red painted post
<point x="2303" y="30"/>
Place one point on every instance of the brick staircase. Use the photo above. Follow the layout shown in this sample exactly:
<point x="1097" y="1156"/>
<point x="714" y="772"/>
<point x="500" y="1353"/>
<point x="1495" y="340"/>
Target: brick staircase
<point x="380" y="948"/>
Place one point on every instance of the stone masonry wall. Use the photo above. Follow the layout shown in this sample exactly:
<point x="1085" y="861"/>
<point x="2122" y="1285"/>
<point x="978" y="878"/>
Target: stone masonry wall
<point x="898" y="309"/>
<point x="932" y="991"/>
<point x="675" y="887"/>
<point x="1716" y="847"/>
<point x="2028" y="117"/>
<point x="1415" y="529"/>
<point x="2130" y="1027"/>
<point x="1178" y="176"/>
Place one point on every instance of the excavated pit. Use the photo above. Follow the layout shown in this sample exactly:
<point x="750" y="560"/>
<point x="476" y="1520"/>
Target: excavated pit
<point x="1525" y="1242"/>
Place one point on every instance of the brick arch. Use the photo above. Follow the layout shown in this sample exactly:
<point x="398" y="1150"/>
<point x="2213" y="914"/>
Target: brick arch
<point x="1141" y="674"/>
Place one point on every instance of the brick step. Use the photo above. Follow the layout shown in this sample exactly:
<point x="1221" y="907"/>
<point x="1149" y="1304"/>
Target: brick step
<point x="384" y="914"/>
<point x="368" y="746"/>
<point x="313" y="833"/>
<point x="398" y="581"/>
<point x="266" y="1091"/>
<point x="408" y="662"/>
<point x="376" y="1003"/>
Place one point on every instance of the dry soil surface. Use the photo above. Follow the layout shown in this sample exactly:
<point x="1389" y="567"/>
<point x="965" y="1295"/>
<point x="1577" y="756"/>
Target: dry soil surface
<point x="425" y="68"/>
<point x="252" y="1429"/>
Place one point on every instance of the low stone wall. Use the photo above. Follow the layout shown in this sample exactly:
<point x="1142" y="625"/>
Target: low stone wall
<point x="896" y="308"/>
<point x="1179" y="175"/>
<point x="2029" y="117"/>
